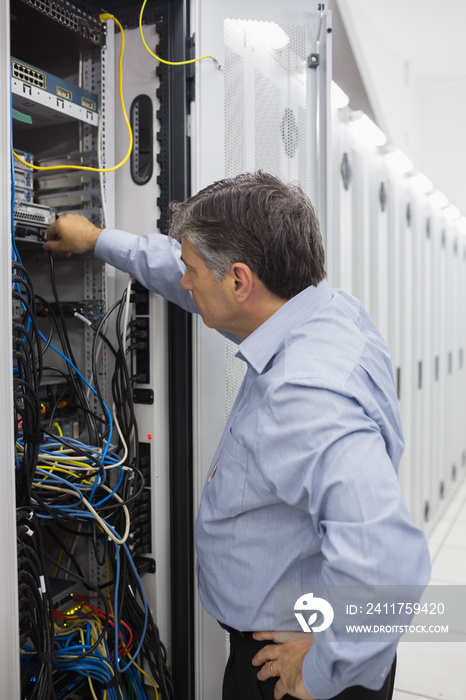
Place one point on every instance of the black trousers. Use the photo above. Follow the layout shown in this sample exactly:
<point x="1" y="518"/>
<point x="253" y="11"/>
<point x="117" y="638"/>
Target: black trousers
<point x="240" y="680"/>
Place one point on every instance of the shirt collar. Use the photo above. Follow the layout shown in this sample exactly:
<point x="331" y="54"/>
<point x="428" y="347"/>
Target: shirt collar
<point x="259" y="347"/>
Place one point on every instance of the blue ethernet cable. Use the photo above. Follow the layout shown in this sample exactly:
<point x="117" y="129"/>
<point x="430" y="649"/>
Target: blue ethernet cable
<point x="109" y="415"/>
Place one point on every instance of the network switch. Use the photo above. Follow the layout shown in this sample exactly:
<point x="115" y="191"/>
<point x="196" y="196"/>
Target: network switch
<point x="43" y="96"/>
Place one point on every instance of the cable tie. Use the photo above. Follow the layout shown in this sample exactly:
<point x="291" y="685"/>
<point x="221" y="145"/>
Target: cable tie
<point x="109" y="684"/>
<point x="46" y="657"/>
<point x="34" y="438"/>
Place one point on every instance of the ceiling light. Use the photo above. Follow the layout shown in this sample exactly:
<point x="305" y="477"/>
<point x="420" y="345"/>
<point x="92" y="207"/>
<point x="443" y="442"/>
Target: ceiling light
<point x="438" y="199"/>
<point x="266" y="34"/>
<point x="452" y="212"/>
<point x="339" y="98"/>
<point x="398" y="161"/>
<point x="365" y="129"/>
<point x="421" y="183"/>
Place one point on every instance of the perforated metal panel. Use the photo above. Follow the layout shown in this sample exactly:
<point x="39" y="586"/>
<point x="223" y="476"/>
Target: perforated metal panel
<point x="265" y="99"/>
<point x="265" y="112"/>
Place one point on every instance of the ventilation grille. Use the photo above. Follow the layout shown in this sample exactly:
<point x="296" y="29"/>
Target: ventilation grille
<point x="265" y="119"/>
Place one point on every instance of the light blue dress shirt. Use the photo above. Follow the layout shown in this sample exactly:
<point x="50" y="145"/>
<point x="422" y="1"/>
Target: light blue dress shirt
<point x="303" y="489"/>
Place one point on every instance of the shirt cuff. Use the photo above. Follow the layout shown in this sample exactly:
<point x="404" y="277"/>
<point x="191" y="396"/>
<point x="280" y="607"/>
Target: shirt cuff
<point x="113" y="246"/>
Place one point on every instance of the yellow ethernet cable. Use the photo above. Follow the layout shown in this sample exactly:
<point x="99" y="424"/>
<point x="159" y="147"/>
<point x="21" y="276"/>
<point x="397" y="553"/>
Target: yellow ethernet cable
<point x="103" y="18"/>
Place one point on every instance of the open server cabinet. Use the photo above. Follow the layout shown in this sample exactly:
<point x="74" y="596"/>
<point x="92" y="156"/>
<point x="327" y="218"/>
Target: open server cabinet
<point x="262" y="103"/>
<point x="89" y="383"/>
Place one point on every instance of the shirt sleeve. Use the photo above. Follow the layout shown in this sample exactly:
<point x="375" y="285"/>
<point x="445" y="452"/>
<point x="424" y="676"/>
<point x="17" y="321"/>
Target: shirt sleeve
<point x="326" y="456"/>
<point x="154" y="260"/>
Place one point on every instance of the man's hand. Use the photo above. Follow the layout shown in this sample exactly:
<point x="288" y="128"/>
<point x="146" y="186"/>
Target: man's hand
<point x="71" y="233"/>
<point x="284" y="660"/>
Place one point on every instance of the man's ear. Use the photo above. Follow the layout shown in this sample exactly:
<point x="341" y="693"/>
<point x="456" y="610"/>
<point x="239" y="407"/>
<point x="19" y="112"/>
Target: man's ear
<point x="243" y="280"/>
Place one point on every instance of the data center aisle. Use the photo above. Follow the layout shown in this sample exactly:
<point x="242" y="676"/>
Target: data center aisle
<point x="437" y="670"/>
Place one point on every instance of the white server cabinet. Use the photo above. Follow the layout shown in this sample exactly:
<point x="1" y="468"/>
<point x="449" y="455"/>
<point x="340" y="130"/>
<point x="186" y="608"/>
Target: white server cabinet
<point x="394" y="189"/>
<point x="437" y="407"/>
<point x="136" y="208"/>
<point x="260" y="105"/>
<point x="378" y="244"/>
<point x="407" y="374"/>
<point x="8" y="557"/>
<point x="461" y="291"/>
<point x="417" y="466"/>
<point x="441" y="370"/>
<point x="340" y="266"/>
<point x="450" y="360"/>
<point x="395" y="249"/>
<point x="360" y="224"/>
<point x="427" y="295"/>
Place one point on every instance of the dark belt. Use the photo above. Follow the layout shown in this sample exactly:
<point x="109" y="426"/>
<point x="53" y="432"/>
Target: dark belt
<point x="233" y="632"/>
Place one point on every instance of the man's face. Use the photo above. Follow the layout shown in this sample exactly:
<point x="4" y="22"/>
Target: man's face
<point x="212" y="297"/>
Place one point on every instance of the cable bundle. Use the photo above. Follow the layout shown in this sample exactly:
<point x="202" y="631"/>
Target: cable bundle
<point x="35" y="606"/>
<point x="80" y="496"/>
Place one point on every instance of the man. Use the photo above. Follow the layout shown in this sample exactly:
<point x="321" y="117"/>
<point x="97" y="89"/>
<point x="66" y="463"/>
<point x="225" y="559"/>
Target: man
<point x="303" y="489"/>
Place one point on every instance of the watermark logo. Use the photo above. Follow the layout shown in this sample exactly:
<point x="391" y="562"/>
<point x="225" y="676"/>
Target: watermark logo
<point x="308" y="604"/>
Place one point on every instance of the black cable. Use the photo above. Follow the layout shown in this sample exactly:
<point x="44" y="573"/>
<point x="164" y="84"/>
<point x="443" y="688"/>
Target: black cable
<point x="36" y="608"/>
<point x="99" y="559"/>
<point x="67" y="349"/>
<point x="67" y="551"/>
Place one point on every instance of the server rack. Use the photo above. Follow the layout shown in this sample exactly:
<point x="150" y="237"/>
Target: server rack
<point x="68" y="40"/>
<point x="406" y="265"/>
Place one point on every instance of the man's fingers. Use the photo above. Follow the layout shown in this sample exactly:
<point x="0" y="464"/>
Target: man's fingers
<point x="53" y="244"/>
<point x="279" y="690"/>
<point x="268" y="670"/>
<point x="71" y="233"/>
<point x="267" y="653"/>
<point x="51" y="234"/>
<point x="262" y="636"/>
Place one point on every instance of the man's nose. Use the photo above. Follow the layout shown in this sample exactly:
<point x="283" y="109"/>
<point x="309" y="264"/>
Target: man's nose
<point x="185" y="282"/>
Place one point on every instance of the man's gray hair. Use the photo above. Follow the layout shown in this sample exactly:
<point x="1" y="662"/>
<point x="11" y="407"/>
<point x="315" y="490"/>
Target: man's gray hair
<point x="258" y="220"/>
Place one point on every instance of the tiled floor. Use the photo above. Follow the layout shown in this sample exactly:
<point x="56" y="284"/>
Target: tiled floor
<point x="437" y="670"/>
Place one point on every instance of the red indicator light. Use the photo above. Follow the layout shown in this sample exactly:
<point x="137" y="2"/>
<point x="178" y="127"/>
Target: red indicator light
<point x="149" y="437"/>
